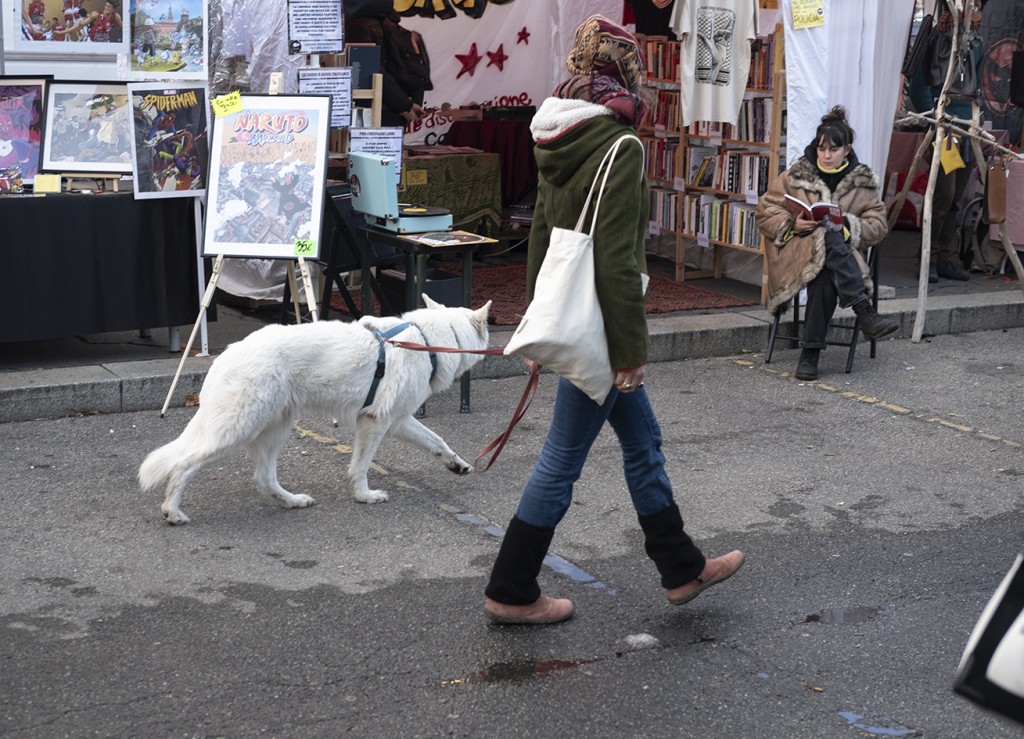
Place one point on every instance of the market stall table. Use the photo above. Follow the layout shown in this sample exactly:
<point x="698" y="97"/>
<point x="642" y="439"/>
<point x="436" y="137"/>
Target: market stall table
<point x="416" y="253"/>
<point x="466" y="184"/>
<point x="79" y="264"/>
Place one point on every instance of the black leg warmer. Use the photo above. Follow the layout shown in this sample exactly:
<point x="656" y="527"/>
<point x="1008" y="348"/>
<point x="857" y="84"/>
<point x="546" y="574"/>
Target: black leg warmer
<point x="674" y="554"/>
<point x="514" y="576"/>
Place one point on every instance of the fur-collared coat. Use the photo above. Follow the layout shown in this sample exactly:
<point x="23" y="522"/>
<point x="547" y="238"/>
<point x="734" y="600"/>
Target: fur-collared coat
<point x="794" y="260"/>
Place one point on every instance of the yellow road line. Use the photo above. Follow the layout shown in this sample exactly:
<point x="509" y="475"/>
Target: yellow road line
<point x="878" y="403"/>
<point x="338" y="447"/>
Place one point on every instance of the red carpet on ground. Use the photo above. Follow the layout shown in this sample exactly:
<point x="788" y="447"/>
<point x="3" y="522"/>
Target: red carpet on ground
<point x="505" y="286"/>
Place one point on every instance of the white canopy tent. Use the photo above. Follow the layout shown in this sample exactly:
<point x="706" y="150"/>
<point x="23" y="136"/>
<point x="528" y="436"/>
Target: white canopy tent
<point x="852" y="60"/>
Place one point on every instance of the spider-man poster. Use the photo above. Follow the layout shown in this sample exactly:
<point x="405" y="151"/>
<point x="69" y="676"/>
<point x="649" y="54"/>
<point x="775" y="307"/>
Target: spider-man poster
<point x="169" y="140"/>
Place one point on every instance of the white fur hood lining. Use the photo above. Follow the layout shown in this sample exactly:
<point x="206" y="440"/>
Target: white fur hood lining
<point x="555" y="116"/>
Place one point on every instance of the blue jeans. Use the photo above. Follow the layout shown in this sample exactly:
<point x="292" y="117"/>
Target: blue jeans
<point x="575" y="425"/>
<point x="840" y="280"/>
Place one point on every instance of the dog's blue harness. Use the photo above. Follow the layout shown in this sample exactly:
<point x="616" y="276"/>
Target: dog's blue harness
<point x="382" y="337"/>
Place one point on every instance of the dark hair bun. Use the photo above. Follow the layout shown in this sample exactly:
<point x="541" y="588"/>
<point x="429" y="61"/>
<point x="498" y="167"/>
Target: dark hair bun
<point x="836" y="115"/>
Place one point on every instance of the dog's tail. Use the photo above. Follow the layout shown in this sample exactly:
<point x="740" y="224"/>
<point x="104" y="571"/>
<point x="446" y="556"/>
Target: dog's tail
<point x="157" y="468"/>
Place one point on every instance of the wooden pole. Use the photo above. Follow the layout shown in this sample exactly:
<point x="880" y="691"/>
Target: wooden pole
<point x="956" y="6"/>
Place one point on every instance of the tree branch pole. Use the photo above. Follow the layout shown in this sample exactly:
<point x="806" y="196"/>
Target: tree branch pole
<point x="973" y="131"/>
<point x="957" y="7"/>
<point x="976" y="134"/>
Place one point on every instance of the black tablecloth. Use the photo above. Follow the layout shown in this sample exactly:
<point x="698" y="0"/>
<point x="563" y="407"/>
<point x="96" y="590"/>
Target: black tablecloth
<point x="87" y="264"/>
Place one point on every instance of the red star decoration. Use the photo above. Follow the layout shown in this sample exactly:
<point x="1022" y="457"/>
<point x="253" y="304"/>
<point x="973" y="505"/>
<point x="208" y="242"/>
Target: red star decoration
<point x="524" y="37"/>
<point x="497" y="58"/>
<point x="469" y="61"/>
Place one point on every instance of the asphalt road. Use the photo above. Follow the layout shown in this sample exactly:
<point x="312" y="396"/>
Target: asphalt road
<point x="878" y="511"/>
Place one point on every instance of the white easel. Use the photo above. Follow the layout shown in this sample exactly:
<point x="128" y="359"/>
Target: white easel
<point x="275" y="85"/>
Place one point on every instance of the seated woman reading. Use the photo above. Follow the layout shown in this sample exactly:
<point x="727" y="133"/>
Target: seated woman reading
<point x="824" y="256"/>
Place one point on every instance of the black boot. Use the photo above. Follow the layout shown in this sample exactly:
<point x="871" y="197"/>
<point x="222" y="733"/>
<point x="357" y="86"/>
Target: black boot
<point x="514" y="575"/>
<point x="807" y="367"/>
<point x="674" y="554"/>
<point x="873" y="325"/>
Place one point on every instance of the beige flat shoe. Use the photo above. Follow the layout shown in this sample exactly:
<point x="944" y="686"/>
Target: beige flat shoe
<point x="715" y="571"/>
<point x="544" y="610"/>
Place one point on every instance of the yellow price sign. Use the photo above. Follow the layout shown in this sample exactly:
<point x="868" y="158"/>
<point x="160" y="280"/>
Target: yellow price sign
<point x="305" y="247"/>
<point x="808" y="13"/>
<point x="46" y="183"/>
<point x="227" y="104"/>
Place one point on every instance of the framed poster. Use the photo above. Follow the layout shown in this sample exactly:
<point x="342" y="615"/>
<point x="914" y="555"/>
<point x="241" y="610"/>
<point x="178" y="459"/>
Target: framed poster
<point x="267" y="177"/>
<point x="170" y="150"/>
<point x="88" y="128"/>
<point x="22" y="114"/>
<point x="167" y="39"/>
<point x="70" y="27"/>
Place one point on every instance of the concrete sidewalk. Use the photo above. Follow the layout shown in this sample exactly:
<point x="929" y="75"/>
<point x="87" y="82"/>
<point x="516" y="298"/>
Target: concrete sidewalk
<point x="123" y="372"/>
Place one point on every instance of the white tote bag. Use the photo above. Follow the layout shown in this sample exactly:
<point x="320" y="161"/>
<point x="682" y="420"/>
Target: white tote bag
<point x="563" y="328"/>
<point x="991" y="671"/>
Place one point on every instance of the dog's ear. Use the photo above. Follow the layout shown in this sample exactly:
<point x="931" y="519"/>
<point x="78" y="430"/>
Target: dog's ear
<point x="479" y="316"/>
<point x="430" y="303"/>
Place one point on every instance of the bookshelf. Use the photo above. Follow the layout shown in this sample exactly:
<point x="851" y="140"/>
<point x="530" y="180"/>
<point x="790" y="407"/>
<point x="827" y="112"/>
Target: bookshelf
<point x="725" y="167"/>
<point x="660" y="134"/>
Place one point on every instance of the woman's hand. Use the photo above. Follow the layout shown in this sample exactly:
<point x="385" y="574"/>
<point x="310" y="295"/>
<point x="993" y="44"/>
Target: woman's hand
<point x="804" y="226"/>
<point x="630" y="380"/>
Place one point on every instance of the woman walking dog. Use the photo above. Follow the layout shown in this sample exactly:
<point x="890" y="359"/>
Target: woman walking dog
<point x="587" y="114"/>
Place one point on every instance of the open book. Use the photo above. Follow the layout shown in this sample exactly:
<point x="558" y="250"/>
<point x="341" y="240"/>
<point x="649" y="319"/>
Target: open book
<point x="829" y="212"/>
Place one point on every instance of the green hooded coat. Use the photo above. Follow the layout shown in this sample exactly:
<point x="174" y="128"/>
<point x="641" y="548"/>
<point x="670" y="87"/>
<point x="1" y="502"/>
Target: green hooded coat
<point x="567" y="163"/>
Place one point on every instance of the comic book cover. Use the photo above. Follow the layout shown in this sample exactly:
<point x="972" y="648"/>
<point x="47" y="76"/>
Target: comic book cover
<point x="170" y="143"/>
<point x="167" y="39"/>
<point x="267" y="177"/>
<point x="88" y="128"/>
<point x="22" y="104"/>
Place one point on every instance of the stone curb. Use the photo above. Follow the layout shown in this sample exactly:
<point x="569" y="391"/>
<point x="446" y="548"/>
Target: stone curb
<point x="142" y="386"/>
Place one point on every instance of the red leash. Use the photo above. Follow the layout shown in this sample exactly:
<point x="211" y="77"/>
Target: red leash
<point x="494" y="448"/>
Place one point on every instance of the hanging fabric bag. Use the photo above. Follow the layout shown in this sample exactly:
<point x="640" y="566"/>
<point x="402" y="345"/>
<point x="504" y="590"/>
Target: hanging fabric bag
<point x="918" y="51"/>
<point x="563" y="328"/>
<point x="995" y="190"/>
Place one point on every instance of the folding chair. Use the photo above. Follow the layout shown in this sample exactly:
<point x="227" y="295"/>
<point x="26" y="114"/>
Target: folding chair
<point x="851" y="342"/>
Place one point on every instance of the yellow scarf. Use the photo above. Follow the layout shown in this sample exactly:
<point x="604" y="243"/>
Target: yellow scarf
<point x="840" y="168"/>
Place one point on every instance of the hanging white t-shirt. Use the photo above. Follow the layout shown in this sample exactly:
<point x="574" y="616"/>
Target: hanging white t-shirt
<point x="715" y="58"/>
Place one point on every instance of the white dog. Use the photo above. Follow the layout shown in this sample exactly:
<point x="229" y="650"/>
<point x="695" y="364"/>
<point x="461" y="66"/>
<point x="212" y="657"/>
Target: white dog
<point x="260" y="385"/>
